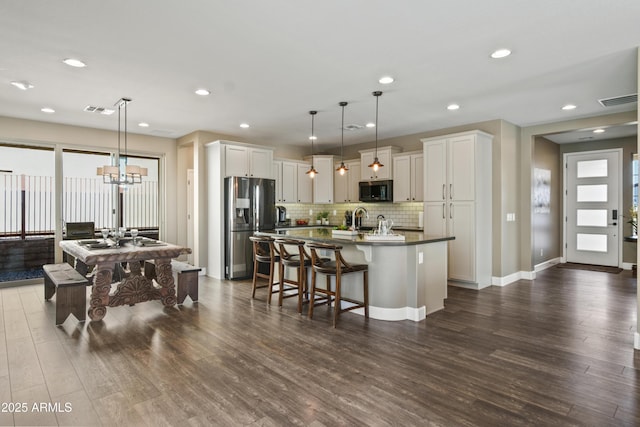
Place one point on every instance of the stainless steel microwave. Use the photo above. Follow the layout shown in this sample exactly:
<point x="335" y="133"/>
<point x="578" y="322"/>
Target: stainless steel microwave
<point x="376" y="191"/>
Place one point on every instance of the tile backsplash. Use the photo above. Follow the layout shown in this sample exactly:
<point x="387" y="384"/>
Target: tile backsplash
<point x="402" y="214"/>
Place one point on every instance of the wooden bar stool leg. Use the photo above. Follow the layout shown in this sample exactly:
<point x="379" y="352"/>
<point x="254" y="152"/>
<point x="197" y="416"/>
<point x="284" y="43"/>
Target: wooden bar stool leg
<point x="280" y="287"/>
<point x="255" y="278"/>
<point x="366" y="294"/>
<point x="301" y="282"/>
<point x="312" y="297"/>
<point x="270" y="282"/>
<point x="337" y="305"/>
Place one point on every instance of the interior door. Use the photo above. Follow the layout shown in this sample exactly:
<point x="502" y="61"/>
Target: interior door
<point x="592" y="208"/>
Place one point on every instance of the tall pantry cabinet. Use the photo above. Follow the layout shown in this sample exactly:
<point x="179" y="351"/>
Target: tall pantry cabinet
<point x="457" y="173"/>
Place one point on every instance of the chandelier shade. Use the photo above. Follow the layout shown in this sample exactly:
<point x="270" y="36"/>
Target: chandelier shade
<point x="122" y="173"/>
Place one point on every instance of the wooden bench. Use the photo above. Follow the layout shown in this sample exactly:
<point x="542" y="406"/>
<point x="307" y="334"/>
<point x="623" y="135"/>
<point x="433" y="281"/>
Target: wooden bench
<point x="71" y="287"/>
<point x="185" y="276"/>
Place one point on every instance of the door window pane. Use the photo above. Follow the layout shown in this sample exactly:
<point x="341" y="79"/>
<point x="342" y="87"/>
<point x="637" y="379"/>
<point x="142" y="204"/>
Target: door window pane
<point x="592" y="193"/>
<point x="592" y="168"/>
<point x="591" y="218"/>
<point x="591" y="242"/>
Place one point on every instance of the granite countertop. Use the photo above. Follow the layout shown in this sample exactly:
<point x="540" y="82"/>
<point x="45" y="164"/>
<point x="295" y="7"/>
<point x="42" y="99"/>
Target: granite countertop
<point x="323" y="234"/>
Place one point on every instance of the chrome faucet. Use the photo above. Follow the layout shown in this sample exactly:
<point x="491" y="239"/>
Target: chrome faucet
<point x="355" y="211"/>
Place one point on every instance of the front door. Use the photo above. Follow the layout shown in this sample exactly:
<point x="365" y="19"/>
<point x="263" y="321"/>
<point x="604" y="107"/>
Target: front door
<point x="592" y="209"/>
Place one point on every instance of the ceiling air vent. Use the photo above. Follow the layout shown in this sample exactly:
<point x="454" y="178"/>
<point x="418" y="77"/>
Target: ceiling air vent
<point x="353" y="127"/>
<point x="618" y="100"/>
<point x="100" y="110"/>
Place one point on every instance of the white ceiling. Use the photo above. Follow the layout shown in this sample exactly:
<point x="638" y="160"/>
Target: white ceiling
<point x="268" y="63"/>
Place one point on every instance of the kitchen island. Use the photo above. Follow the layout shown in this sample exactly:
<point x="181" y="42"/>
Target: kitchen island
<point x="407" y="279"/>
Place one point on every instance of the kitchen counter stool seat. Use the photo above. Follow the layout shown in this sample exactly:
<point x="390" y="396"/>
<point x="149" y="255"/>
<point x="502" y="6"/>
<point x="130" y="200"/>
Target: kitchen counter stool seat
<point x="337" y="268"/>
<point x="264" y="252"/>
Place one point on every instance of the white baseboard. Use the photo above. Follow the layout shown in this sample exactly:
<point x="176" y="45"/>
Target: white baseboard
<point x="636" y="341"/>
<point x="627" y="265"/>
<point x="394" y="314"/>
<point x="467" y="285"/>
<point x="506" y="280"/>
<point x="547" y="264"/>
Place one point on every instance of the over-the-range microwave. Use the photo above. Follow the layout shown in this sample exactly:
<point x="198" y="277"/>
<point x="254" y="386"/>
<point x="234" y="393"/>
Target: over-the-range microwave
<point x="376" y="191"/>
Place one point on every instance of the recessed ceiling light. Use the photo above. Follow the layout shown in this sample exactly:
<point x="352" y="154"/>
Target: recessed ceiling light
<point x="48" y="110"/>
<point x="72" y="62"/>
<point x="500" y="53"/>
<point x="107" y="112"/>
<point x="313" y="138"/>
<point x="370" y="125"/>
<point x="385" y="80"/>
<point x="202" y="92"/>
<point x="143" y="124"/>
<point x="244" y="125"/>
<point x="598" y="131"/>
<point x="22" y="85"/>
<point x="569" y="107"/>
<point x="453" y="107"/>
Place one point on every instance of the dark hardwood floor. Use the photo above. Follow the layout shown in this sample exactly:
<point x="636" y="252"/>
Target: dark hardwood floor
<point x="554" y="351"/>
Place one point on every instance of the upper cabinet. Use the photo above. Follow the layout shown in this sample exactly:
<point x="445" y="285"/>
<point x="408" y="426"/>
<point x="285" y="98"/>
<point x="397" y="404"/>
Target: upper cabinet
<point x="408" y="177"/>
<point x="323" y="181"/>
<point x="384" y="156"/>
<point x="293" y="185"/>
<point x="241" y="160"/>
<point x="345" y="187"/>
<point x="305" y="184"/>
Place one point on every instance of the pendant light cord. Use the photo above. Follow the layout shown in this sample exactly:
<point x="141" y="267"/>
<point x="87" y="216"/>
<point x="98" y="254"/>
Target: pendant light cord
<point x="377" y="95"/>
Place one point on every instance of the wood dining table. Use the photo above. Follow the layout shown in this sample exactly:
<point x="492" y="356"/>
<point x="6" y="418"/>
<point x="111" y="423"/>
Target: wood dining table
<point x="134" y="286"/>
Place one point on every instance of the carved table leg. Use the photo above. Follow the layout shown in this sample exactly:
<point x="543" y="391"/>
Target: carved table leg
<point x="164" y="277"/>
<point x="134" y="268"/>
<point x="100" y="291"/>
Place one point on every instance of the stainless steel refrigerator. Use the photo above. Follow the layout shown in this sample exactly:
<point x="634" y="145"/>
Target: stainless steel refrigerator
<point x="250" y="205"/>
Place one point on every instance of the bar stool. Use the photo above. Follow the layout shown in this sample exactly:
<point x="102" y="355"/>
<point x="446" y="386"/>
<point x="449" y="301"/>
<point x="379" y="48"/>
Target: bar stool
<point x="264" y="252"/>
<point x="299" y="260"/>
<point x="336" y="268"/>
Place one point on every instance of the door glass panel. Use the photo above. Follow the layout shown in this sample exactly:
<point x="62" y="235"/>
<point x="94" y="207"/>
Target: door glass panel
<point x="591" y="242"/>
<point x="592" y="168"/>
<point x="592" y="193"/>
<point x="591" y="218"/>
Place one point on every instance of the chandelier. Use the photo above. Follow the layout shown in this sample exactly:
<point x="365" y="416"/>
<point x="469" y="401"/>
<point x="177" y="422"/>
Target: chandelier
<point x="122" y="173"/>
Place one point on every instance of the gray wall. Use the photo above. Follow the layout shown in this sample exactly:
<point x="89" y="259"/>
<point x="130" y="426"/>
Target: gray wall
<point x="547" y="227"/>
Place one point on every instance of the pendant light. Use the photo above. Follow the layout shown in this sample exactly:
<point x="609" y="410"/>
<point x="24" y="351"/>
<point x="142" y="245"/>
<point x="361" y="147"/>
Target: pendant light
<point x="376" y="163"/>
<point x="342" y="169"/>
<point x="117" y="174"/>
<point x="312" y="171"/>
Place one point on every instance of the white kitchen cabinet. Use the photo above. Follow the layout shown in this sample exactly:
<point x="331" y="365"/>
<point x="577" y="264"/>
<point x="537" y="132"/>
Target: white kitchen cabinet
<point x="286" y="176"/>
<point x="323" y="181"/>
<point x="291" y="176"/>
<point x="345" y="187"/>
<point x="408" y="177"/>
<point x="276" y="171"/>
<point x="289" y="182"/>
<point x="304" y="183"/>
<point x="458" y="197"/>
<point x="384" y="156"/>
<point x="242" y="160"/>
